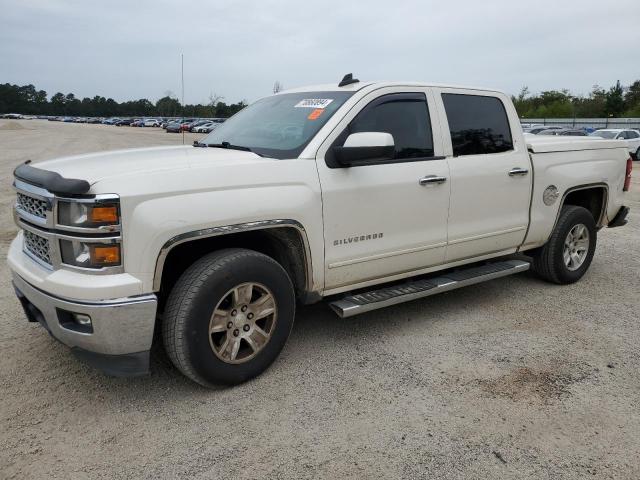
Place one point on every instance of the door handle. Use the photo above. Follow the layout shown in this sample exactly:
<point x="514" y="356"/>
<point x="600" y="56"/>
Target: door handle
<point x="432" y="179"/>
<point x="518" y="172"/>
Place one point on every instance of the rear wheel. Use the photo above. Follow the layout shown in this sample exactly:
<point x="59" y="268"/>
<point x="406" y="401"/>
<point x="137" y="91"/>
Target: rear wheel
<point x="638" y="154"/>
<point x="567" y="255"/>
<point x="228" y="317"/>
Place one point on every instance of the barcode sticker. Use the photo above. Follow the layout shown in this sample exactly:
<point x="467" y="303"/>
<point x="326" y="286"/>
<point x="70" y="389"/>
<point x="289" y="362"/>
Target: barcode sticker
<point x="314" y="103"/>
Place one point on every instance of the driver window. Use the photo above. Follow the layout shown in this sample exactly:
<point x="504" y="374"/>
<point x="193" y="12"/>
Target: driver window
<point x="405" y="116"/>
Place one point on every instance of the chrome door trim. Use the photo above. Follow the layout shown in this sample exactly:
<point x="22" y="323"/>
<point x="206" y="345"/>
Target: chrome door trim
<point x="236" y="228"/>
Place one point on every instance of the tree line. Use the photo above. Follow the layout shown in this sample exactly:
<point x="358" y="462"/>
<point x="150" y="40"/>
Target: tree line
<point x="28" y="100"/>
<point x="617" y="101"/>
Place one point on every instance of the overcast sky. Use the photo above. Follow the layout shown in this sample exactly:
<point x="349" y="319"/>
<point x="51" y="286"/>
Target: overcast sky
<point x="238" y="49"/>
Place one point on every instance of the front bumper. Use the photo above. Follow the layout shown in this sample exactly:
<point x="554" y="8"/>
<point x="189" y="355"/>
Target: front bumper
<point x="119" y="337"/>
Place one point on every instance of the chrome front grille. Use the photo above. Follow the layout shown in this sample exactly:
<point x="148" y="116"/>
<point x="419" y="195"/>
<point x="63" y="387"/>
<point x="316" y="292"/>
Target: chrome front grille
<point x="37" y="246"/>
<point x="33" y="206"/>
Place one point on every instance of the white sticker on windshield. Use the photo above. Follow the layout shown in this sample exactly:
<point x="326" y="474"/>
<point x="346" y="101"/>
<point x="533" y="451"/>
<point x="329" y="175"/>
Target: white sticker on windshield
<point x="314" y="103"/>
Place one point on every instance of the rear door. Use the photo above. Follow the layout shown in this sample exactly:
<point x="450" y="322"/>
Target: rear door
<point x="490" y="173"/>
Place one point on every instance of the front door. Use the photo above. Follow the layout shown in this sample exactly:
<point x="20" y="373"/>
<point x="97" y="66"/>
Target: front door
<point x="390" y="217"/>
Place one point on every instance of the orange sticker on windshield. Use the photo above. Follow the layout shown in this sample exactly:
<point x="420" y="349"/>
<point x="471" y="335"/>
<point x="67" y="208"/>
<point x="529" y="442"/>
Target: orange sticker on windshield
<point x="315" y="114"/>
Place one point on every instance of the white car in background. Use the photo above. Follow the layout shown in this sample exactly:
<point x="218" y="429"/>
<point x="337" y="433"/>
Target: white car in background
<point x="632" y="138"/>
<point x="151" y="122"/>
<point x="206" y="127"/>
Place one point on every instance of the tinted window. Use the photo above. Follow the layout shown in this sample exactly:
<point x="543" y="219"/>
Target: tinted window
<point x="403" y="115"/>
<point x="478" y="125"/>
<point x="633" y="134"/>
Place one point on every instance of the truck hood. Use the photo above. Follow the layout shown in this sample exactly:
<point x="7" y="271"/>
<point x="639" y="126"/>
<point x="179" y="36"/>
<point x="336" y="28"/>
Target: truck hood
<point x="95" y="167"/>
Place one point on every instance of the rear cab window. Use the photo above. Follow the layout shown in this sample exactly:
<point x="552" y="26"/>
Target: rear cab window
<point x="478" y="124"/>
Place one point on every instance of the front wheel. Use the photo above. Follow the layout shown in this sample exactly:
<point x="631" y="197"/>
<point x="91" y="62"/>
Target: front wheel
<point x="228" y="317"/>
<point x="567" y="255"/>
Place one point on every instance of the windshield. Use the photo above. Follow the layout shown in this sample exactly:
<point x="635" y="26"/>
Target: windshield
<point x="279" y="126"/>
<point x="604" y="134"/>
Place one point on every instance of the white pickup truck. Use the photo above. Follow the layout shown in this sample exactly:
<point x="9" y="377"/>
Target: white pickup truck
<point x="363" y="194"/>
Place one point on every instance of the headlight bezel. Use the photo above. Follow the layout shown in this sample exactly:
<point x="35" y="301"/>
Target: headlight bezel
<point x="71" y="247"/>
<point x="67" y="208"/>
<point x="80" y="253"/>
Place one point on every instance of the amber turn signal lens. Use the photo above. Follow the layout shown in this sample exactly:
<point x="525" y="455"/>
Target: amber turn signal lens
<point x="105" y="255"/>
<point x="105" y="214"/>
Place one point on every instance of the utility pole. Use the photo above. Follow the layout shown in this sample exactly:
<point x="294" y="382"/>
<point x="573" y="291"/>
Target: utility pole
<point x="182" y="73"/>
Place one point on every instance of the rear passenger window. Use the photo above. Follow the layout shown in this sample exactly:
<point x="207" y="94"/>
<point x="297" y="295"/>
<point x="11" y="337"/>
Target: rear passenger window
<point x="478" y="124"/>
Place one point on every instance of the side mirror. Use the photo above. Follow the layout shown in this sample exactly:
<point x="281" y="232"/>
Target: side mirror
<point x="365" y="147"/>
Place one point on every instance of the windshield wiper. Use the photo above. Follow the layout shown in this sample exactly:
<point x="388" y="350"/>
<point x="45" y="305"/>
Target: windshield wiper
<point x="231" y="147"/>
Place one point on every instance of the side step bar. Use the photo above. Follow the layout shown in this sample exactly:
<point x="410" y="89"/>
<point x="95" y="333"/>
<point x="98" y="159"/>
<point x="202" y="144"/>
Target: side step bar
<point x="386" y="296"/>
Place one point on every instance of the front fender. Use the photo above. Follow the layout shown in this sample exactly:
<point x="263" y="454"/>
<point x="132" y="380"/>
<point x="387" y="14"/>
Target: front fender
<point x="156" y="225"/>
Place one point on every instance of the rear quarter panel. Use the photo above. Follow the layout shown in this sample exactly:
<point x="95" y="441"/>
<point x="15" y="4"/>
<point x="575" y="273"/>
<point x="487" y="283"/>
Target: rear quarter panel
<point x="570" y="170"/>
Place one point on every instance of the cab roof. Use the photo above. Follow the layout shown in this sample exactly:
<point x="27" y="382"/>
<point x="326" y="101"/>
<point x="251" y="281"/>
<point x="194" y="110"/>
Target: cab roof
<point x="354" y="87"/>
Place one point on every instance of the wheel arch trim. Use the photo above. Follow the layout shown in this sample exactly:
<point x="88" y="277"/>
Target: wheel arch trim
<point x="231" y="229"/>
<point x="603" y="207"/>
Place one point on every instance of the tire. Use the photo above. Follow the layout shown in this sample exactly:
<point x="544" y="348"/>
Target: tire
<point x="550" y="262"/>
<point x="638" y="154"/>
<point x="210" y="284"/>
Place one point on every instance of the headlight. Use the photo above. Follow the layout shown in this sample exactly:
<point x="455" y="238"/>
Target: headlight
<point x="88" y="215"/>
<point x="90" y="255"/>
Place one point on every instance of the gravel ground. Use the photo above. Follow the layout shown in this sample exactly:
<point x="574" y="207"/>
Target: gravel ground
<point x="514" y="378"/>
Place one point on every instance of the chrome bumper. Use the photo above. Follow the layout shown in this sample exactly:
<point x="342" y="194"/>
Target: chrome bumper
<point x="121" y="331"/>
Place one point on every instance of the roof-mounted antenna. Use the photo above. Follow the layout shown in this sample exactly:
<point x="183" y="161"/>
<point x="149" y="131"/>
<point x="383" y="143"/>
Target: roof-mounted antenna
<point x="348" y="80"/>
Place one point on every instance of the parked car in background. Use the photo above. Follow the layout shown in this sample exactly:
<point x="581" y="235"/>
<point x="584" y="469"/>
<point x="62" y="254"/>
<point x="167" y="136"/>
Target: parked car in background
<point x="94" y="120"/>
<point x="110" y="121"/>
<point x="197" y="123"/>
<point x="632" y="138"/>
<point x="537" y="130"/>
<point x="204" y="127"/>
<point x="174" y="127"/>
<point x="150" y="122"/>
<point x="14" y="116"/>
<point x="123" y="122"/>
<point x="187" y="123"/>
<point x="573" y="132"/>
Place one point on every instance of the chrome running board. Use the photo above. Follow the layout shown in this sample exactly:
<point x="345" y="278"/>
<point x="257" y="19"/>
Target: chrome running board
<point x="386" y="296"/>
